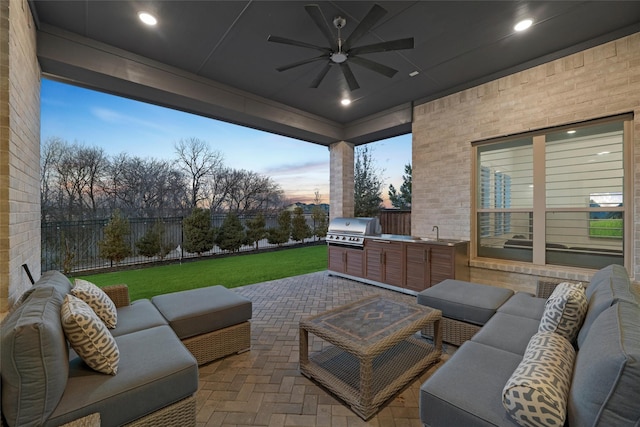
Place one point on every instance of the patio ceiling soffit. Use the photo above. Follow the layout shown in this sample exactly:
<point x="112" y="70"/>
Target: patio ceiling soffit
<point x="85" y="62"/>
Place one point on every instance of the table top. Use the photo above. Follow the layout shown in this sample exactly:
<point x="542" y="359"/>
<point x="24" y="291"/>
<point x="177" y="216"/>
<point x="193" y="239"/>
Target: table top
<point x="370" y="325"/>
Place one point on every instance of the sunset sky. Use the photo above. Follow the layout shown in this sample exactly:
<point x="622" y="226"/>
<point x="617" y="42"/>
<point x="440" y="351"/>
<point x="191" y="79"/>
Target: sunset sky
<point x="122" y="125"/>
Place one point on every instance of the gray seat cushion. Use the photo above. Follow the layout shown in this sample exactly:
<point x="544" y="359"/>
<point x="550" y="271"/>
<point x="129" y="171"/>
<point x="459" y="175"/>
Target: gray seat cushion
<point x="608" y="286"/>
<point x="606" y="377"/>
<point x="525" y="305"/>
<point x="155" y="370"/>
<point x="465" y="301"/>
<point x="507" y="332"/>
<point x="34" y="358"/>
<point x="198" y="311"/>
<point x="467" y="389"/>
<point x="141" y="314"/>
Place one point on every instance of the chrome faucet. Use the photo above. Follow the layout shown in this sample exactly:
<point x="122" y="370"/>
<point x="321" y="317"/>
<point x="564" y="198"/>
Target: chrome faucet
<point x="435" y="227"/>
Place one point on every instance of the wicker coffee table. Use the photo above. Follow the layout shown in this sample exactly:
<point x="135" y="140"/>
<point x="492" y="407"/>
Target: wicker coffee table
<point x="372" y="352"/>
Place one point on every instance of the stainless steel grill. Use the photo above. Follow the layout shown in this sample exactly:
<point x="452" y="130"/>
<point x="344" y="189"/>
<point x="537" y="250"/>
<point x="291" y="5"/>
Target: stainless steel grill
<point x="351" y="231"/>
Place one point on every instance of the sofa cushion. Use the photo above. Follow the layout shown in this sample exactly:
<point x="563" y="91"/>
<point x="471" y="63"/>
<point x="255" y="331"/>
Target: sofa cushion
<point x="465" y="301"/>
<point x="155" y="370"/>
<point x="608" y="286"/>
<point x="536" y="393"/>
<point x="138" y="315"/>
<point x="507" y="332"/>
<point x="198" y="311"/>
<point x="88" y="336"/>
<point x="467" y="389"/>
<point x="606" y="378"/>
<point x="524" y="305"/>
<point x="98" y="300"/>
<point x="34" y="358"/>
<point x="564" y="310"/>
<point x="57" y="280"/>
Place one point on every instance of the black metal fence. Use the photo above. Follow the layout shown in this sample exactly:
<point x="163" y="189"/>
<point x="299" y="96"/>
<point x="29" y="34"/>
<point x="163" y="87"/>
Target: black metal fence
<point x="72" y="246"/>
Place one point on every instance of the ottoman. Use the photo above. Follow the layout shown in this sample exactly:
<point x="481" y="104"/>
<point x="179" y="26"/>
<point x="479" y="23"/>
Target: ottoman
<point x="465" y="307"/>
<point x="212" y="322"/>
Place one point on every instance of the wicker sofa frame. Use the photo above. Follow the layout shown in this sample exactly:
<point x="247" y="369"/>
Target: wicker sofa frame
<point x="204" y="347"/>
<point x="457" y="332"/>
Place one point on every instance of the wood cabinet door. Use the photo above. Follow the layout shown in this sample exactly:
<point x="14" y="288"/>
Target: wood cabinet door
<point x="442" y="264"/>
<point x="354" y="262"/>
<point x="417" y="266"/>
<point x="392" y="259"/>
<point x="337" y="259"/>
<point x="373" y="263"/>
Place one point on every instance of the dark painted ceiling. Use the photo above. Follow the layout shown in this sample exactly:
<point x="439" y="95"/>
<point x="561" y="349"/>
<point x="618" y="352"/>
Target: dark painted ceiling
<point x="457" y="44"/>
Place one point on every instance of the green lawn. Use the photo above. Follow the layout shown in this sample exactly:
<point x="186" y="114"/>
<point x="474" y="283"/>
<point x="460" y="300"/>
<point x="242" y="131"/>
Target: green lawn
<point x="230" y="271"/>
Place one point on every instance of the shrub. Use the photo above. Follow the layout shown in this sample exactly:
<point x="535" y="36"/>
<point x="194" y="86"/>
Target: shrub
<point x="231" y="235"/>
<point x="115" y="246"/>
<point x="198" y="234"/>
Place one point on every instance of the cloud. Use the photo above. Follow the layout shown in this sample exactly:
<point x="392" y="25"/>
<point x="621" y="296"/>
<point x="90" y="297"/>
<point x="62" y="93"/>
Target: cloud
<point x="116" y="118"/>
<point x="297" y="168"/>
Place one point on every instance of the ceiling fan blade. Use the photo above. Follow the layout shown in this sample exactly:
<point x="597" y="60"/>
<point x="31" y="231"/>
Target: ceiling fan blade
<point x="374" y="15"/>
<point x="373" y="66"/>
<point x="283" y="40"/>
<point x="304" y="61"/>
<point x="316" y="82"/>
<point x="315" y="13"/>
<point x="348" y="74"/>
<point x="383" y="47"/>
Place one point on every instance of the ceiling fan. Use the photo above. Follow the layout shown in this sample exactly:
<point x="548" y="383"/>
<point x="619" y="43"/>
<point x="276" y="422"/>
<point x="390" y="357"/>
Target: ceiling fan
<point x="342" y="52"/>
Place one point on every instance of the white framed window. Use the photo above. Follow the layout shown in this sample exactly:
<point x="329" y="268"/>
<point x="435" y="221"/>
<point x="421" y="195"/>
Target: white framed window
<point x="555" y="197"/>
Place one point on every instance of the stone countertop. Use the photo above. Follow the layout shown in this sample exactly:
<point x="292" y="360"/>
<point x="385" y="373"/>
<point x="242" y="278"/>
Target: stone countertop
<point x="414" y="239"/>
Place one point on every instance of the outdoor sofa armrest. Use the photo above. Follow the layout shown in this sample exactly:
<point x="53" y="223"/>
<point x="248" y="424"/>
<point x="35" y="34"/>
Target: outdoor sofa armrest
<point x="119" y="294"/>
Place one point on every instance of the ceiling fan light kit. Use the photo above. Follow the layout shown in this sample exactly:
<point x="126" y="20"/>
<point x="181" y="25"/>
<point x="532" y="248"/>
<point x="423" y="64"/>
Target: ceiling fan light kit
<point x="342" y="52"/>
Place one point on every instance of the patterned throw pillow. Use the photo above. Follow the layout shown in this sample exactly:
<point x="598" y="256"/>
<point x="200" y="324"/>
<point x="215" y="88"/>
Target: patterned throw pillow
<point x="88" y="336"/>
<point x="564" y="310"/>
<point x="537" y="392"/>
<point x="97" y="300"/>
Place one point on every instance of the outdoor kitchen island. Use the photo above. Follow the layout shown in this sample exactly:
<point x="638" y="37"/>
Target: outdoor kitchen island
<point x="403" y="263"/>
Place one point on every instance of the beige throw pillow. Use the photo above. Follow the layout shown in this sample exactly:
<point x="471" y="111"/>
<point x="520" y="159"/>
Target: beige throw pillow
<point x="536" y="394"/>
<point x="89" y="336"/>
<point x="98" y="300"/>
<point x="564" y="310"/>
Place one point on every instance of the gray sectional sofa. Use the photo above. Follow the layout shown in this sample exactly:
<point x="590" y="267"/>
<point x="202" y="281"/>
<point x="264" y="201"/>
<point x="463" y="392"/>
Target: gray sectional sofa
<point x="44" y="383"/>
<point x="604" y="379"/>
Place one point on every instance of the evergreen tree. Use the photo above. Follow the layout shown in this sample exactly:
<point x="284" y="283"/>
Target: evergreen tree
<point x="231" y="235"/>
<point x="280" y="234"/>
<point x="154" y="242"/>
<point x="320" y="225"/>
<point x="256" y="230"/>
<point x="402" y="200"/>
<point x="115" y="246"/>
<point x="300" y="230"/>
<point x="367" y="185"/>
<point x="198" y="234"/>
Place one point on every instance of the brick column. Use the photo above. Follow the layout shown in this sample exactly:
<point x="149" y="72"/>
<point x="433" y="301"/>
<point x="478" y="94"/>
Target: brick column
<point x="19" y="151"/>
<point x="341" y="191"/>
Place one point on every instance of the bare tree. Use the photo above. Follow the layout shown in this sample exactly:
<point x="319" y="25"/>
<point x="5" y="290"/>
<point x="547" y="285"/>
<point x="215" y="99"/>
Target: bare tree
<point x="251" y="191"/>
<point x="198" y="161"/>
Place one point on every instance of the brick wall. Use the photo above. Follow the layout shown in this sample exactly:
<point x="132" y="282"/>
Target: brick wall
<point x="19" y="151"/>
<point x="594" y="83"/>
<point x="341" y="156"/>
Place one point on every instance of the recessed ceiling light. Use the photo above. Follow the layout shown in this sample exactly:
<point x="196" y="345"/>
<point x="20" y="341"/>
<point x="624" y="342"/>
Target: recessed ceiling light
<point x="602" y="153"/>
<point x="523" y="25"/>
<point x="570" y="132"/>
<point x="147" y="18"/>
<point x="413" y="73"/>
<point x="345" y="101"/>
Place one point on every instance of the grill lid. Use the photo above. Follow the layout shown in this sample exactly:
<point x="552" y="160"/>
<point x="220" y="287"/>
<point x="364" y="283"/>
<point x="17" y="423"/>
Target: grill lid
<point x="351" y="231"/>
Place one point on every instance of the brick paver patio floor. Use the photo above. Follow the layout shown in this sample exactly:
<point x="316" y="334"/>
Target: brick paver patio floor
<point x="263" y="387"/>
